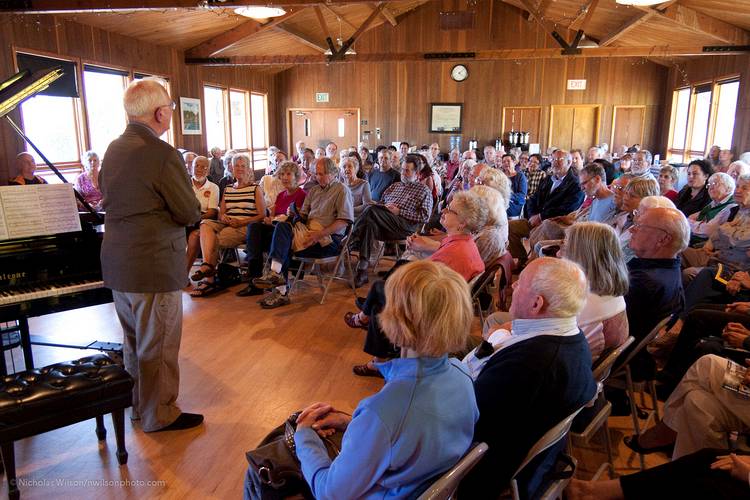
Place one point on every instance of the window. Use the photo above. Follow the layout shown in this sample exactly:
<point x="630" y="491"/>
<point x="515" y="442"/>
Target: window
<point x="56" y="138"/>
<point x="259" y="127"/>
<point x="167" y="136"/>
<point x="702" y="115"/>
<point x="239" y="124"/>
<point x="216" y="123"/>
<point x="102" y="88"/>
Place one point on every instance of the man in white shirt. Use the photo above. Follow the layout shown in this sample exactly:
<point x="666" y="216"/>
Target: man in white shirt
<point x="207" y="194"/>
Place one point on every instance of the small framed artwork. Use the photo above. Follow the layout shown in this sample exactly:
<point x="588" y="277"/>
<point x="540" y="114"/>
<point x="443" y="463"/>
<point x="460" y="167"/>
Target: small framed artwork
<point x="446" y="117"/>
<point x="190" y="114"/>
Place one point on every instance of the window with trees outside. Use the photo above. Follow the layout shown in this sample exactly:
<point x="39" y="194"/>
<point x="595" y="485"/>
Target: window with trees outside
<point x="702" y="116"/>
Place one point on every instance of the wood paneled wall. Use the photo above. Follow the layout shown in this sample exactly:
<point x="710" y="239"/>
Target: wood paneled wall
<point x="395" y="96"/>
<point x="55" y="35"/>
<point x="706" y="69"/>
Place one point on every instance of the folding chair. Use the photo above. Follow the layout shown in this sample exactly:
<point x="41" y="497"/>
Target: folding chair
<point x="381" y="251"/>
<point x="481" y="283"/>
<point x="504" y="281"/>
<point x="599" y="420"/>
<point x="336" y="260"/>
<point x="550" y="438"/>
<point x="445" y="487"/>
<point x="622" y="378"/>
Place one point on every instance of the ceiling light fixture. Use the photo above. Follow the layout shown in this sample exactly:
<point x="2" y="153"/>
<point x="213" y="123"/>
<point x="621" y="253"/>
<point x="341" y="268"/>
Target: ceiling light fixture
<point x="259" y="12"/>
<point x="639" y="2"/>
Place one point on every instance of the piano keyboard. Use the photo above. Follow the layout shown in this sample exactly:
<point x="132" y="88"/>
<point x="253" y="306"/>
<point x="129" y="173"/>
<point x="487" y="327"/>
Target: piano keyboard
<point x="34" y="293"/>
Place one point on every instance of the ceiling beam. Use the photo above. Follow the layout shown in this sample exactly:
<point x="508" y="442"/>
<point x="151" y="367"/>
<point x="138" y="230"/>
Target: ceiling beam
<point x="482" y="55"/>
<point x="229" y="38"/>
<point x="388" y="16"/>
<point x="581" y="15"/>
<point x="628" y="25"/>
<point x="547" y="26"/>
<point x="59" y="7"/>
<point x="704" y="24"/>
<point x="301" y="38"/>
<point x="339" y="15"/>
<point x="324" y="27"/>
<point x="338" y="55"/>
<point x="589" y="14"/>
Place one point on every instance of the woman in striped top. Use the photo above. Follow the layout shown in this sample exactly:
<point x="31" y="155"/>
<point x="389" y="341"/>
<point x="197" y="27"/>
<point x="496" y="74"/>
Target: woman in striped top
<point x="241" y="205"/>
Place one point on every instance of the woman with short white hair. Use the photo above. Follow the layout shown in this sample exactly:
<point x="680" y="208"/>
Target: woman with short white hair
<point x="737" y="169"/>
<point x="702" y="224"/>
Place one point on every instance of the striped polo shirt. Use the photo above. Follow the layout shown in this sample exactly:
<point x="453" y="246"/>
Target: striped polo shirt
<point x="240" y="202"/>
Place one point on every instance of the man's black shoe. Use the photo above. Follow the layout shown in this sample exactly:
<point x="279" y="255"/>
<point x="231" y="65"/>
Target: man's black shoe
<point x="184" y="421"/>
<point x="249" y="290"/>
<point x="360" y="302"/>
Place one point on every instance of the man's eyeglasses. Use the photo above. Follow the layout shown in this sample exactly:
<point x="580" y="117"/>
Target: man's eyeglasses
<point x="638" y="226"/>
<point x="171" y="104"/>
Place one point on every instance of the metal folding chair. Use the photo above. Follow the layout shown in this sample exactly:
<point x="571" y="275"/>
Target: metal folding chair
<point x="315" y="268"/>
<point x="445" y="487"/>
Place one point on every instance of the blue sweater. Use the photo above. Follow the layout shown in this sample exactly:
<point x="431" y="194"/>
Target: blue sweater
<point x="519" y="187"/>
<point x="379" y="182"/>
<point x="522" y="392"/>
<point x="418" y="426"/>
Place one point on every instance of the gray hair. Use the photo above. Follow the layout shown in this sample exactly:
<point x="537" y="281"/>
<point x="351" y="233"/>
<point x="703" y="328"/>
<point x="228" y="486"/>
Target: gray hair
<point x="496" y="214"/>
<point x="655" y="202"/>
<point x="227" y="160"/>
<point x="330" y="166"/>
<point x="563" y="285"/>
<point x="724" y="179"/>
<point x="641" y="187"/>
<point x="676" y="225"/>
<point x="244" y="156"/>
<point x="144" y="96"/>
<point x="495" y="179"/>
<point x="470" y="209"/>
<point x="669" y="169"/>
<point x="292" y="167"/>
<point x="741" y="166"/>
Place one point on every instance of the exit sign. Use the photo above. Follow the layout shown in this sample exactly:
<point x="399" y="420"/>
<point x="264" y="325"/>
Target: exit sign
<point x="321" y="97"/>
<point x="576" y="84"/>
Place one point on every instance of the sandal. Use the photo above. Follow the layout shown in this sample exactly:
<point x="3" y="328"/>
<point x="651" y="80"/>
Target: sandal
<point x="366" y="371"/>
<point x="204" y="289"/>
<point x="200" y="273"/>
<point x="632" y="443"/>
<point x="352" y="321"/>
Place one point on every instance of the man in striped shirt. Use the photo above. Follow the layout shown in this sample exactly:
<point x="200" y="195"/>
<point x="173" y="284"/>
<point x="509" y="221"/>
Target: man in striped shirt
<point x="405" y="206"/>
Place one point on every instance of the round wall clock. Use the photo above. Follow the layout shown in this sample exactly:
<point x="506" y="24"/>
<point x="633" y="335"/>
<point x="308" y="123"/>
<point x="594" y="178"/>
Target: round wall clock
<point x="459" y="73"/>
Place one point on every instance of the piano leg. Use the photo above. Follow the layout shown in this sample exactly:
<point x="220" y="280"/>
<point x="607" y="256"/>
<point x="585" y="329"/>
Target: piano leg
<point x="23" y="324"/>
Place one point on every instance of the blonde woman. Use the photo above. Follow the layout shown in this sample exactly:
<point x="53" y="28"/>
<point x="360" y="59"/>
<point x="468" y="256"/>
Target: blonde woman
<point x="596" y="248"/>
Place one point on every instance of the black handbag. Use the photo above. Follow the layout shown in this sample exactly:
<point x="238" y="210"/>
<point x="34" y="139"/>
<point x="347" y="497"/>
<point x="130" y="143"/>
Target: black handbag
<point x="275" y="471"/>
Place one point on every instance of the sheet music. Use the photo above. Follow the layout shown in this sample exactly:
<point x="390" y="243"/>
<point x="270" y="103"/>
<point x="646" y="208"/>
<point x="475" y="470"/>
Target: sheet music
<point x="38" y="210"/>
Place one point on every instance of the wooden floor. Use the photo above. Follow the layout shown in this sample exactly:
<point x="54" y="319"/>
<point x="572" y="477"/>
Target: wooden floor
<point x="246" y="369"/>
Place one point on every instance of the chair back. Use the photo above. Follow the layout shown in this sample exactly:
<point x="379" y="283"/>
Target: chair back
<point x="603" y="368"/>
<point x="447" y="484"/>
<point x="505" y="280"/>
<point x="549" y="439"/>
<point x="643" y="343"/>
<point x="483" y="280"/>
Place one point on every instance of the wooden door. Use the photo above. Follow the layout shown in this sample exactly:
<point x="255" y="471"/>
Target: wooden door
<point x="627" y="126"/>
<point x="523" y="119"/>
<point x="317" y="127"/>
<point x="574" y="126"/>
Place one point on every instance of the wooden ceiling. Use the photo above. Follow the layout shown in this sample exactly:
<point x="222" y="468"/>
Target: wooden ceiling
<point x="672" y="28"/>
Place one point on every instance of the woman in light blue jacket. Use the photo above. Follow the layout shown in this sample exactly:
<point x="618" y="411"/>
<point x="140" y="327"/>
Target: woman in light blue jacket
<point x="422" y="421"/>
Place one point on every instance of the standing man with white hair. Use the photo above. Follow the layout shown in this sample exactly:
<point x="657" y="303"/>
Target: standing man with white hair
<point x="149" y="202"/>
<point x="548" y="352"/>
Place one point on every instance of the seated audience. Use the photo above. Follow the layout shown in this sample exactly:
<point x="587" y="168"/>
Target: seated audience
<point x="712" y="157"/>
<point x="228" y="178"/>
<point x="700" y="413"/>
<point x="299" y="151"/>
<point x="207" y="194"/>
<point x="452" y="165"/>
<point x="655" y="290"/>
<point x="702" y="224"/>
<point x="594" y="153"/>
<point x="536" y="375"/>
<point x="602" y="208"/>
<point x="426" y="176"/>
<point x="326" y="212"/>
<point x="558" y="194"/>
<point x="388" y="431"/>
<point x="577" y="161"/>
<point x="534" y="174"/>
<point x="518" y="184"/>
<point x="25" y="166"/>
<point x="667" y="180"/>
<point x="595" y="248"/>
<point x="641" y="166"/>
<point x="707" y="473"/>
<point x="729" y="243"/>
<point x="404" y="207"/>
<point x="625" y="164"/>
<point x="188" y="157"/>
<point x="725" y="159"/>
<point x="489" y="154"/>
<point x="242" y="204"/>
<point x="359" y="188"/>
<point x="331" y="150"/>
<point x="737" y="169"/>
<point x="320" y="153"/>
<point x="381" y="179"/>
<point x="464" y="216"/>
<point x="694" y="196"/>
<point x="87" y="184"/>
<point x="636" y="190"/>
<point x="216" y="167"/>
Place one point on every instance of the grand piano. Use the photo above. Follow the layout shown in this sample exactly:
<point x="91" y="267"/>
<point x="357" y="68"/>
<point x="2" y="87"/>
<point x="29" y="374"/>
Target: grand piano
<point x="53" y="272"/>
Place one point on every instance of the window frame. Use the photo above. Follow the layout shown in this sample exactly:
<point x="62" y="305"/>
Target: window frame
<point x="687" y="152"/>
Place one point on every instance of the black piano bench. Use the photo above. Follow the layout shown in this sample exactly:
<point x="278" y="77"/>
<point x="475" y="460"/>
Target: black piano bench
<point x="44" y="399"/>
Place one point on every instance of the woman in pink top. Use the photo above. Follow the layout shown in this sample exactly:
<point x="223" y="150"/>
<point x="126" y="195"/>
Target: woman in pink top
<point x="465" y="215"/>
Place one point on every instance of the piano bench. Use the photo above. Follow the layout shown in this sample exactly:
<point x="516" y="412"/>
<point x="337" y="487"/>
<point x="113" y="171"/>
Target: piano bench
<point x="44" y="399"/>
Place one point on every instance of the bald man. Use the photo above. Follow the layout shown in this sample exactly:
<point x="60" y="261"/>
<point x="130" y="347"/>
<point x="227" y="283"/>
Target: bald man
<point x="25" y="167"/>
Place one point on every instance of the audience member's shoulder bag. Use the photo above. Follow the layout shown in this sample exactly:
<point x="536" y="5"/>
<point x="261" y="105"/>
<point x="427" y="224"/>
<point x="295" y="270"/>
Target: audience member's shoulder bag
<point x="275" y="471"/>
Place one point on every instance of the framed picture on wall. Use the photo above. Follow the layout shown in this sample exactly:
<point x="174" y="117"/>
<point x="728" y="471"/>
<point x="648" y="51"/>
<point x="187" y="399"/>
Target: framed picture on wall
<point x="190" y="116"/>
<point x="446" y="117"/>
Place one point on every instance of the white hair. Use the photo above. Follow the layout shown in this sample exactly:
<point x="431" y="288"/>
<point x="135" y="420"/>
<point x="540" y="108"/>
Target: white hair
<point x="497" y="215"/>
<point x="144" y="96"/>
<point x="725" y="179"/>
<point x="655" y="202"/>
<point x="745" y="157"/>
<point x="563" y="285"/>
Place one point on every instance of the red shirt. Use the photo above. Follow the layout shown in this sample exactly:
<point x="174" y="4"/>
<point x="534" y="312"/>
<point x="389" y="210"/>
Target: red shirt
<point x="284" y="199"/>
<point x="459" y="252"/>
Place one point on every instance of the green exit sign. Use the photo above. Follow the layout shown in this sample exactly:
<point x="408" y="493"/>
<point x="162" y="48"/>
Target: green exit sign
<point x="321" y="97"/>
